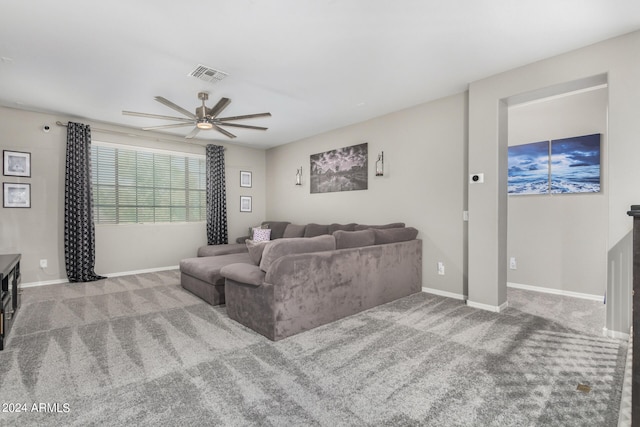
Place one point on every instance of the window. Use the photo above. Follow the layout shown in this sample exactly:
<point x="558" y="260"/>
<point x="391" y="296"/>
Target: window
<point x="136" y="185"/>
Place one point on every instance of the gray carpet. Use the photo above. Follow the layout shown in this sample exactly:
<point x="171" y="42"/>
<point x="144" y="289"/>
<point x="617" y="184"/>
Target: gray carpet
<point x="139" y="350"/>
<point x="581" y="314"/>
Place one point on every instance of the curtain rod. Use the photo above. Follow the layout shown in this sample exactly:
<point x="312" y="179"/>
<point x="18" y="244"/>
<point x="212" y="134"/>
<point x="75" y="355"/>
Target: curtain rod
<point x="116" y="132"/>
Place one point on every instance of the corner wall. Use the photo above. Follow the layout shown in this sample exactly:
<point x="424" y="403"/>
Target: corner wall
<point x="618" y="59"/>
<point x="423" y="186"/>
<point x="38" y="232"/>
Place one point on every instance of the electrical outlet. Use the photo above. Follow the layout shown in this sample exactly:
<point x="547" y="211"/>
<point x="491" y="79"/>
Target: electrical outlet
<point x="512" y="263"/>
<point x="441" y="268"/>
<point x="465" y="215"/>
<point x="43" y="263"/>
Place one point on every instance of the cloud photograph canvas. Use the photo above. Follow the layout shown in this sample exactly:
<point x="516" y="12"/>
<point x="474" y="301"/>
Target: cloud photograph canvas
<point x="575" y="164"/>
<point x="529" y="168"/>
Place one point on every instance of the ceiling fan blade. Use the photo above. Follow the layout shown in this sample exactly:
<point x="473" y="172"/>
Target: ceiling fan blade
<point x="248" y="116"/>
<point x="193" y="133"/>
<point x="242" y="126"/>
<point x="156" y="116"/>
<point x="168" y="126"/>
<point x="221" y="105"/>
<point x="179" y="109"/>
<point x="224" y="132"/>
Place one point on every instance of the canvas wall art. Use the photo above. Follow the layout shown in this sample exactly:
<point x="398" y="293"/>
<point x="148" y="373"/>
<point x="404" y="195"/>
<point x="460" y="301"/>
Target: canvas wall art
<point x="344" y="169"/>
<point x="569" y="165"/>
<point x="529" y="168"/>
<point x="575" y="164"/>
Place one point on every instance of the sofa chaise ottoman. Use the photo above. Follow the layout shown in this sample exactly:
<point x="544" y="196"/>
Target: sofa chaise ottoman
<point x="201" y="275"/>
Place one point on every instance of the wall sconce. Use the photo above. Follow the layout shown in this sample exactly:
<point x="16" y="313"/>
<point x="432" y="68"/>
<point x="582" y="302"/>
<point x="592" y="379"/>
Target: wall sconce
<point x="299" y="176"/>
<point x="380" y="164"/>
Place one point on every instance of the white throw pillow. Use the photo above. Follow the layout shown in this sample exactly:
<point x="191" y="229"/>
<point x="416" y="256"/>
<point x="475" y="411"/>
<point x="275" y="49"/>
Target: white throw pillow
<point x="261" y="234"/>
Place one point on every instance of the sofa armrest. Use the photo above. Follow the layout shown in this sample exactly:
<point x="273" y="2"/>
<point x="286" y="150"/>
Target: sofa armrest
<point x="243" y="273"/>
<point x="215" y="250"/>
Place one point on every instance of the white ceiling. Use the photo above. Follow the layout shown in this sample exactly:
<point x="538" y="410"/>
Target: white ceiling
<point x="316" y="65"/>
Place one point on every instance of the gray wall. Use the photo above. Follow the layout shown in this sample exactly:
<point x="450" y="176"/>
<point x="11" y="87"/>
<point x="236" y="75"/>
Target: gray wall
<point x="618" y="60"/>
<point x="38" y="233"/>
<point x="560" y="240"/>
<point x="423" y="186"/>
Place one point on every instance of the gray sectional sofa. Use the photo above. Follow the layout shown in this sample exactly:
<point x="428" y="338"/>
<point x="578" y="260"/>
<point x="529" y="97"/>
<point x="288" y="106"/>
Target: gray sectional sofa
<point x="292" y="284"/>
<point x="201" y="275"/>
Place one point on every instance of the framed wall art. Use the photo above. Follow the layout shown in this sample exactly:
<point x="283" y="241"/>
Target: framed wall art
<point x="16" y="163"/>
<point x="344" y="169"/>
<point x="245" y="179"/>
<point x="245" y="203"/>
<point x="16" y="195"/>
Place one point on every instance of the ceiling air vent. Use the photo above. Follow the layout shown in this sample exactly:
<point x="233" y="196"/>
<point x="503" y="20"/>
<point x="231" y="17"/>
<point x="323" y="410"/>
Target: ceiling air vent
<point x="208" y="74"/>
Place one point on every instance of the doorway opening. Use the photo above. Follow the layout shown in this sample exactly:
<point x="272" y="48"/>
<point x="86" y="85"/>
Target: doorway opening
<point x="557" y="243"/>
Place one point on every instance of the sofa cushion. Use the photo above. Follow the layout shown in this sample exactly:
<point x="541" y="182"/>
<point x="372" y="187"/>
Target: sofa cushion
<point x="380" y="227"/>
<point x="294" y="230"/>
<point x="345" y="227"/>
<point x="393" y="235"/>
<point x="255" y="249"/>
<point x="313" y="230"/>
<point x="296" y="245"/>
<point x="215" y="250"/>
<point x="243" y="273"/>
<point x="208" y="268"/>
<point x="354" y="239"/>
<point x="277" y="228"/>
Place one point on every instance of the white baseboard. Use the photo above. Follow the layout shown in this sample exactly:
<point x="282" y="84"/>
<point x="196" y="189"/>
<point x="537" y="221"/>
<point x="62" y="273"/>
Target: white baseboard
<point x="615" y="334"/>
<point x="444" y="293"/>
<point x="495" y="309"/>
<point x="555" y="291"/>
<point x="487" y="307"/>
<point x="44" y="283"/>
<point x="148" y="270"/>
<point x="123" y="273"/>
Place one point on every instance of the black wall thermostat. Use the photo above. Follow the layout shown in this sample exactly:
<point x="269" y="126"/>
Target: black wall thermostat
<point x="476" y="178"/>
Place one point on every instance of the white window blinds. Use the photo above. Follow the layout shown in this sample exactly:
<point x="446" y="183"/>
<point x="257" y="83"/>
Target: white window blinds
<point x="140" y="186"/>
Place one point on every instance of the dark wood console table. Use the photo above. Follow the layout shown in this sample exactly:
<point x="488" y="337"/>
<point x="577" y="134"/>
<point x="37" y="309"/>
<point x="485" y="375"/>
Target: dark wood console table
<point x="10" y="277"/>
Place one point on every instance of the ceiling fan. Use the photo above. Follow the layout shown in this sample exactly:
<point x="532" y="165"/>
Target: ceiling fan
<point x="204" y="119"/>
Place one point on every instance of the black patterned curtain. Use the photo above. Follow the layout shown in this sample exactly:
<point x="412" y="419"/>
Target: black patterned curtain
<point x="216" y="196"/>
<point x="79" y="229"/>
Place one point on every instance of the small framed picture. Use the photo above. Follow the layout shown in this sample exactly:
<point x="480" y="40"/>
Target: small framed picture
<point x="245" y="203"/>
<point x="16" y="195"/>
<point x="17" y="163"/>
<point x="245" y="179"/>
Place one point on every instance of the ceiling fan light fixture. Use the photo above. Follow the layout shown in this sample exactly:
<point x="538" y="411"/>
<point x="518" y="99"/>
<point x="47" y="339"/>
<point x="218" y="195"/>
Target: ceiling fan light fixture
<point x="203" y="119"/>
<point x="203" y="124"/>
